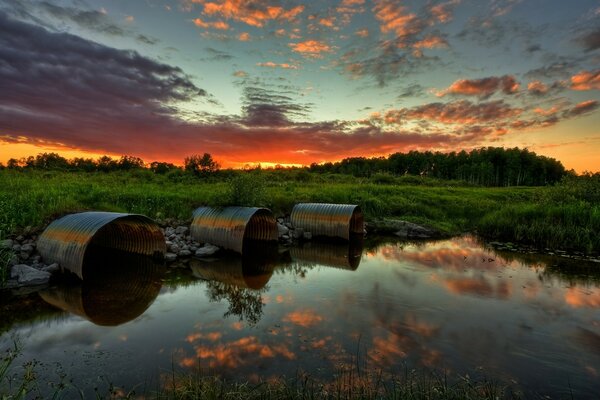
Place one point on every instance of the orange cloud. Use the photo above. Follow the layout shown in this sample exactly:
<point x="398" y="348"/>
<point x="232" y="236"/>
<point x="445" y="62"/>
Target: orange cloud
<point x="251" y="13"/>
<point x="362" y="32"/>
<point x="537" y="87"/>
<point x="311" y="48"/>
<point x="431" y="42"/>
<point x="395" y="18"/>
<point x="458" y="112"/>
<point x="484" y="87"/>
<point x="244" y="37"/>
<point x="303" y="318"/>
<point x="586" y="80"/>
<point x="216" y="25"/>
<point x="443" y="12"/>
<point x="328" y="22"/>
<point x="271" y="64"/>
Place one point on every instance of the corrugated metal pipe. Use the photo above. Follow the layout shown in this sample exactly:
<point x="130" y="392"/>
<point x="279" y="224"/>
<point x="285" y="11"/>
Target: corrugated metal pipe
<point x="66" y="240"/>
<point x="332" y="220"/>
<point x="231" y="227"/>
<point x="337" y="255"/>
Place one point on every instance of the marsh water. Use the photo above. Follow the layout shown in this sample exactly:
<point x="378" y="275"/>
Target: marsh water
<point x="456" y="306"/>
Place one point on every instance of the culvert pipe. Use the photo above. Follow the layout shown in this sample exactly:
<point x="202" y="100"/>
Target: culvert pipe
<point x="231" y="227"/>
<point x="331" y="220"/>
<point x="66" y="240"/>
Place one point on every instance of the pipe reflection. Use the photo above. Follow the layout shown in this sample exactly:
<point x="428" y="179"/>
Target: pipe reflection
<point x="118" y="287"/>
<point x="239" y="279"/>
<point x="345" y="255"/>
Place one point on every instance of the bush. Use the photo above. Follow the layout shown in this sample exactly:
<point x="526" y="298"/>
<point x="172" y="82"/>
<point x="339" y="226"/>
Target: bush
<point x="246" y="189"/>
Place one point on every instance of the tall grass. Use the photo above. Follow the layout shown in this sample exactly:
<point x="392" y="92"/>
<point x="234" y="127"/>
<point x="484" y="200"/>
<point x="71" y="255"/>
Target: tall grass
<point x="565" y="216"/>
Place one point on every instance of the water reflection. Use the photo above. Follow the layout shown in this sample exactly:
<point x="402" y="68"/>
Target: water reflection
<point x="239" y="279"/>
<point x="118" y="287"/>
<point x="455" y="304"/>
<point x="345" y="255"/>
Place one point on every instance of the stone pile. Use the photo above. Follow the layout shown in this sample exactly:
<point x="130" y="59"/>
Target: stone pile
<point x="288" y="233"/>
<point x="181" y="245"/>
<point x="24" y="263"/>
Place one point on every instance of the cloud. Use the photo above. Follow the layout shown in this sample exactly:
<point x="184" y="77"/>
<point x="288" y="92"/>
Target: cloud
<point x="457" y="112"/>
<point x="254" y="13"/>
<point x="443" y="12"/>
<point x="482" y="88"/>
<point x="586" y="80"/>
<point x="271" y="64"/>
<point x="430" y="42"/>
<point x="244" y="37"/>
<point x="582" y="108"/>
<point x="537" y="88"/>
<point x="311" y="48"/>
<point x="268" y="108"/>
<point x="362" y="32"/>
<point x="46" y="14"/>
<point x="220" y="25"/>
<point x="590" y="41"/>
<point x="395" y="18"/>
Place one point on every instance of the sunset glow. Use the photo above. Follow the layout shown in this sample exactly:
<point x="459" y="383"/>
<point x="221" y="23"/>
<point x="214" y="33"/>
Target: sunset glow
<point x="292" y="83"/>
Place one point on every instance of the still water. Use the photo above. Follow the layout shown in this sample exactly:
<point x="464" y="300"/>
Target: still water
<point x="531" y="321"/>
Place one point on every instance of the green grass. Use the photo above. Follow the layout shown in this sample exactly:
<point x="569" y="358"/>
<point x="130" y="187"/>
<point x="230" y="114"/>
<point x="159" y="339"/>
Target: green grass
<point x="565" y="217"/>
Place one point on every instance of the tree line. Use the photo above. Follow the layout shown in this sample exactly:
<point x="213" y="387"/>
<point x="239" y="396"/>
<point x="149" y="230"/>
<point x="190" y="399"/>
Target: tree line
<point x="491" y="166"/>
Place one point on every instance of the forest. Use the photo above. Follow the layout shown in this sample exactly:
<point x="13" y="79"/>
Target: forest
<point x="491" y="166"/>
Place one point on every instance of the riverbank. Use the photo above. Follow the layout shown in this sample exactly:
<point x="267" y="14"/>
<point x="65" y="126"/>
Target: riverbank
<point x="564" y="217"/>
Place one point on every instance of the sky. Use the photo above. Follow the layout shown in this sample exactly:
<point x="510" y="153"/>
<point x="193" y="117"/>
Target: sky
<point x="292" y="82"/>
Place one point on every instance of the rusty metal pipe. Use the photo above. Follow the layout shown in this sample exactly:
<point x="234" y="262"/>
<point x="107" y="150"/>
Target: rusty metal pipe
<point x="66" y="240"/>
<point x="332" y="220"/>
<point x="229" y="227"/>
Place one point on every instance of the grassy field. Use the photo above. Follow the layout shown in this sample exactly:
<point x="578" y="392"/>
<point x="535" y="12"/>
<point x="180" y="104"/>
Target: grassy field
<point x="566" y="216"/>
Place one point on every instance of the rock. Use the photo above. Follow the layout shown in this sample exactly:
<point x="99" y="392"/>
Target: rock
<point x="16" y="247"/>
<point x="19" y="238"/>
<point x="280" y="220"/>
<point x="27" y="275"/>
<point x="184" y="253"/>
<point x="289" y="225"/>
<point x="282" y="229"/>
<point x="193" y="248"/>
<point x="285" y="237"/>
<point x="36" y="259"/>
<point x="307" y="235"/>
<point x="6" y="244"/>
<point x="27" y="248"/>
<point x="14" y="260"/>
<point x="403" y="229"/>
<point x="170" y="257"/>
<point x="206" y="250"/>
<point x="182" y="230"/>
<point x="52" y="268"/>
<point x="298" y="233"/>
<point x="174" y="248"/>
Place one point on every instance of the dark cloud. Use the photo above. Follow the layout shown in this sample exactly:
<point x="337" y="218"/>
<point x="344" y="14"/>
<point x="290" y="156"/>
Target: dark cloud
<point x="590" y="41"/>
<point x="555" y="70"/>
<point x="52" y="16"/>
<point x="263" y="107"/>
<point x="217" y="55"/>
<point x="414" y="90"/>
<point x="63" y="84"/>
<point x="533" y="48"/>
<point x="387" y="63"/>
